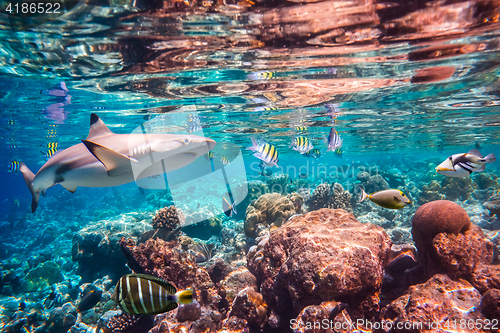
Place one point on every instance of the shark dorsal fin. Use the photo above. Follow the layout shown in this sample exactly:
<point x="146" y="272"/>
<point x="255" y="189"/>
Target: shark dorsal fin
<point x="114" y="162"/>
<point x="475" y="152"/>
<point x="97" y="127"/>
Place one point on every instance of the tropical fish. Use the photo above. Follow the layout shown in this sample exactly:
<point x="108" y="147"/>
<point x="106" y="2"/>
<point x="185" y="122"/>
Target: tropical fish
<point x="224" y="160"/>
<point x="51" y="300"/>
<point x="393" y="199"/>
<point x="265" y="152"/>
<point x="194" y="123"/>
<point x="264" y="170"/>
<point x="11" y="121"/>
<point x="89" y="300"/>
<point x="315" y="153"/>
<point x="228" y="209"/>
<point x="50" y="152"/>
<point x="210" y="156"/>
<point x="14" y="166"/>
<point x="462" y="165"/>
<point x="108" y="159"/>
<point x="334" y="140"/>
<point x="301" y="144"/>
<point x="264" y="108"/>
<point x="148" y="294"/>
<point x="338" y="152"/>
<point x="301" y="128"/>
<point x="262" y="75"/>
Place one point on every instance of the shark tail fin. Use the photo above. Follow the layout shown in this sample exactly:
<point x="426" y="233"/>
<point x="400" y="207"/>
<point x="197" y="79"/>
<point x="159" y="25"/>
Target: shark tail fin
<point x="28" y="178"/>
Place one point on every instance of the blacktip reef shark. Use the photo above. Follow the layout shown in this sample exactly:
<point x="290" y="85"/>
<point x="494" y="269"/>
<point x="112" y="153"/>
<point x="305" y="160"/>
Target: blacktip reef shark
<point x="107" y="159"/>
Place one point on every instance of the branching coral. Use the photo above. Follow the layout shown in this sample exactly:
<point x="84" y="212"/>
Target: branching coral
<point x="169" y="218"/>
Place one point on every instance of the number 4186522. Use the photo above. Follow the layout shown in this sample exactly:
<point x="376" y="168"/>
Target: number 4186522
<point x="25" y="8"/>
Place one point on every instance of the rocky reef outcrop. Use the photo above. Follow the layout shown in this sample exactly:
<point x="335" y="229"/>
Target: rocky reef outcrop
<point x="331" y="196"/>
<point x="323" y="255"/>
<point x="270" y="209"/>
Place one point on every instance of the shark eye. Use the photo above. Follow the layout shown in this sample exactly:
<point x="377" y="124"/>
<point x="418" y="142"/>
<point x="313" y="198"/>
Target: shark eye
<point x="187" y="140"/>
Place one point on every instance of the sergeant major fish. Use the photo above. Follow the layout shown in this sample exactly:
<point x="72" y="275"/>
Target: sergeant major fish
<point x="301" y="144"/>
<point x="228" y="209"/>
<point x="334" y="140"/>
<point x="265" y="152"/>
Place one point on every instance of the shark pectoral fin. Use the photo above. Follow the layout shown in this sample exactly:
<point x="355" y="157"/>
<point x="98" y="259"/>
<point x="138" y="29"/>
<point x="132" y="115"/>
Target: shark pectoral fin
<point x="71" y="188"/>
<point x="114" y="162"/>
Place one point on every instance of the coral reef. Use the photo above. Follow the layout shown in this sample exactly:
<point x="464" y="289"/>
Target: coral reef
<point x="431" y="219"/>
<point x="486" y="180"/>
<point x="278" y="183"/>
<point x="372" y="183"/>
<point x="117" y="321"/>
<point x="493" y="207"/>
<point x="457" y="188"/>
<point x="320" y="256"/>
<point x="270" y="209"/>
<point x="167" y="261"/>
<point x="236" y="281"/>
<point x="320" y="197"/>
<point x="443" y="298"/>
<point x="431" y="192"/>
<point x="297" y="200"/>
<point x="339" y="199"/>
<point x="249" y="305"/>
<point x="490" y="304"/>
<point x="333" y="312"/>
<point x="188" y="312"/>
<point x="43" y="276"/>
<point x="327" y="195"/>
<point x="166" y="221"/>
<point x="97" y="250"/>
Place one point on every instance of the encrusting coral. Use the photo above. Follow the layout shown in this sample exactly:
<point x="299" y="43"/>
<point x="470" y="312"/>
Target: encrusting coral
<point x="270" y="209"/>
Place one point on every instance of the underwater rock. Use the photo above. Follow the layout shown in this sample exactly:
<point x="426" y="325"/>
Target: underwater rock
<point x="97" y="249"/>
<point x="43" y="276"/>
<point x="256" y="189"/>
<point x="168" y="261"/>
<point x="459" y="255"/>
<point x="297" y="200"/>
<point x="188" y="312"/>
<point x="494" y="238"/>
<point x="486" y="180"/>
<point x="490" y="304"/>
<point x="333" y="312"/>
<point x="443" y="299"/>
<point x="493" y="207"/>
<point x="339" y="199"/>
<point x="249" y="305"/>
<point x="320" y="197"/>
<point x="320" y="256"/>
<point x="61" y="318"/>
<point x="270" y="209"/>
<point x="372" y="183"/>
<point x="204" y="229"/>
<point x="431" y="192"/>
<point x="486" y="277"/>
<point x="236" y="281"/>
<point x="400" y="235"/>
<point x="431" y="219"/>
<point x="235" y="325"/>
<point x="120" y="322"/>
<point x="278" y="183"/>
<point x="457" y="188"/>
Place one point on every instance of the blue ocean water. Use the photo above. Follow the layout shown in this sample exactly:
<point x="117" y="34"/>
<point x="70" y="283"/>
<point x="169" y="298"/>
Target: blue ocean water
<point x="401" y="101"/>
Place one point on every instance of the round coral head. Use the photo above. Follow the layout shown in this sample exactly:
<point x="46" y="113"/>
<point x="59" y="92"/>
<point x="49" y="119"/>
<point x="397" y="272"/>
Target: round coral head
<point x="434" y="218"/>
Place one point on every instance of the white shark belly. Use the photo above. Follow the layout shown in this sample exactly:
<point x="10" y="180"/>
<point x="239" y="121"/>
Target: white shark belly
<point x="93" y="175"/>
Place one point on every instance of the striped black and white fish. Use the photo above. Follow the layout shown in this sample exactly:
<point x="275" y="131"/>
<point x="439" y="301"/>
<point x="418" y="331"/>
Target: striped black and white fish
<point x="265" y="152"/>
<point x="148" y="294"/>
<point x="462" y="165"/>
<point x="13" y="166"/>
